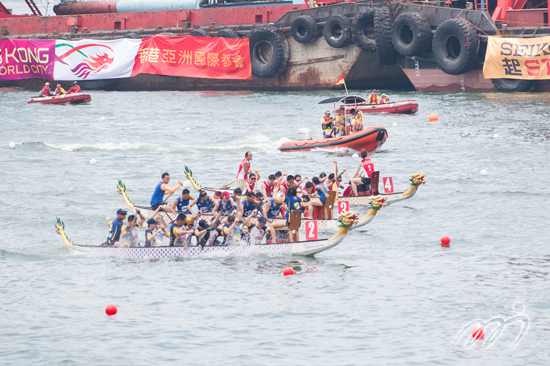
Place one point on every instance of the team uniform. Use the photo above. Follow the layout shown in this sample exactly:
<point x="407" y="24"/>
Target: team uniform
<point x="226" y="209"/>
<point x="117" y="227"/>
<point x="181" y="206"/>
<point x="178" y="241"/>
<point x="368" y="168"/>
<point x="131" y="237"/>
<point x="156" y="238"/>
<point x="248" y="208"/>
<point x="205" y="206"/>
<point x="157" y="199"/>
<point x="241" y="177"/>
<point x="274" y="210"/>
<point x="322" y="193"/>
<point x="293" y="203"/>
<point x="249" y="187"/>
<point x="268" y="188"/>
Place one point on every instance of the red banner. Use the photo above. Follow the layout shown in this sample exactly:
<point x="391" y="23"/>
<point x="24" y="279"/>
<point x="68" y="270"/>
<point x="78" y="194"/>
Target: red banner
<point x="190" y="56"/>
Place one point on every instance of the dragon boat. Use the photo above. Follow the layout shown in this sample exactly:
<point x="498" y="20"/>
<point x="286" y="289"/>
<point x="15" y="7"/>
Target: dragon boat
<point x="302" y="248"/>
<point x="364" y="197"/>
<point x="375" y="204"/>
<point x="416" y="180"/>
<point x="73" y="98"/>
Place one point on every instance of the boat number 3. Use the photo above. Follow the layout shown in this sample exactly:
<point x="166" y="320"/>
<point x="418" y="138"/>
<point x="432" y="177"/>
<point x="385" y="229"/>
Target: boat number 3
<point x="311" y="230"/>
<point x="343" y="207"/>
<point x="388" y="184"/>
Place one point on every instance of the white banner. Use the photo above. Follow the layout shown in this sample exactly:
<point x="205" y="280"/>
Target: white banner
<point x="93" y="59"/>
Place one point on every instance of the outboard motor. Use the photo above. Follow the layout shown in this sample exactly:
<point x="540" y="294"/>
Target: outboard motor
<point x="304" y="134"/>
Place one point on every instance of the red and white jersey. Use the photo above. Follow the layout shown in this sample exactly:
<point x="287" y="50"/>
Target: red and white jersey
<point x="283" y="187"/>
<point x="368" y="168"/>
<point x="240" y="173"/>
<point x="268" y="188"/>
<point x="249" y="187"/>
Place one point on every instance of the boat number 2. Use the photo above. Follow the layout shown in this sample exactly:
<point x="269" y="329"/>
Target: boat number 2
<point x="311" y="230"/>
<point x="343" y="207"/>
<point x="388" y="184"/>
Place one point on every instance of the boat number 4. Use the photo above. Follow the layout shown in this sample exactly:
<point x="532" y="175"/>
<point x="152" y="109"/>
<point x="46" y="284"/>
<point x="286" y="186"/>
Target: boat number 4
<point x="388" y="185"/>
<point x="311" y="230"/>
<point x="343" y="207"/>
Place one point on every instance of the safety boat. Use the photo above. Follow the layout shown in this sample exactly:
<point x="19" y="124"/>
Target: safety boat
<point x="375" y="203"/>
<point x="304" y="248"/>
<point x="369" y="139"/>
<point x="72" y="98"/>
<point x="356" y="102"/>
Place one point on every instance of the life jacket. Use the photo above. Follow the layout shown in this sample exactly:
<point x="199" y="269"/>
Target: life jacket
<point x="240" y="173"/>
<point x="45" y="91"/>
<point x="373" y="98"/>
<point x="74" y="89"/>
<point x="59" y="91"/>
<point x="326" y="127"/>
<point x="368" y="168"/>
<point x="385" y="100"/>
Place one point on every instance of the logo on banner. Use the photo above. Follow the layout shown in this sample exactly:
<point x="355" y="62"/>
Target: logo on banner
<point x="89" y="58"/>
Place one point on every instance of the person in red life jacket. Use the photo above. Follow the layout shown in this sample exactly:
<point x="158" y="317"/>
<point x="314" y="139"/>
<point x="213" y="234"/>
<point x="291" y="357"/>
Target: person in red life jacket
<point x="384" y="99"/>
<point x="59" y="90"/>
<point x="244" y="171"/>
<point x="46" y="90"/>
<point x="373" y="98"/>
<point x="363" y="173"/>
<point x="74" y="89"/>
<point x="327" y="125"/>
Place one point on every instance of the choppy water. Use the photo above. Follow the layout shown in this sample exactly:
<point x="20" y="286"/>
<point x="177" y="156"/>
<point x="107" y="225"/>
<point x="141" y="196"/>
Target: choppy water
<point x="389" y="294"/>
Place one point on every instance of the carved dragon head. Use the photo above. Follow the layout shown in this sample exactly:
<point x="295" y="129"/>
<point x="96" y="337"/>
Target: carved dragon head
<point x="122" y="190"/>
<point x="60" y="228"/>
<point x="348" y="219"/>
<point x="418" y="179"/>
<point x="378" y="202"/>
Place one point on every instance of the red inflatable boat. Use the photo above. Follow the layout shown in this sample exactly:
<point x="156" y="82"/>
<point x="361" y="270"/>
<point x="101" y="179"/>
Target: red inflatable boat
<point x="353" y="101"/>
<point x="369" y="139"/>
<point x="73" y="98"/>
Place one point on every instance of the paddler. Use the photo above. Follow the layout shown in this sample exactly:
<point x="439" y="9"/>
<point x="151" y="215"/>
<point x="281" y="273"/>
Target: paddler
<point x="244" y="171"/>
<point x="204" y="203"/>
<point x="59" y="90"/>
<point x="161" y="189"/>
<point x="289" y="182"/>
<point x="249" y="204"/>
<point x="363" y="173"/>
<point x="183" y="203"/>
<point x="130" y="234"/>
<point x="357" y="121"/>
<point x="340" y="121"/>
<point x="268" y="186"/>
<point x="226" y="205"/>
<point x="74" y="89"/>
<point x="384" y="99"/>
<point x="293" y="203"/>
<point x="154" y="234"/>
<point x="205" y="232"/>
<point x="373" y="97"/>
<point x="46" y="90"/>
<point x="179" y="233"/>
<point x="327" y="125"/>
<point x="250" y="185"/>
<point x="117" y="227"/>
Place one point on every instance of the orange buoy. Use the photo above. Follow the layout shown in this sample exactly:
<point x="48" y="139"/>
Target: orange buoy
<point x="433" y="117"/>
<point x="288" y="271"/>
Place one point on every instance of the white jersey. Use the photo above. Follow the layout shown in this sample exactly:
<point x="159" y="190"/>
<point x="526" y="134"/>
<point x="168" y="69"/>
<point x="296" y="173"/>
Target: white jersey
<point x="240" y="173"/>
<point x="131" y="238"/>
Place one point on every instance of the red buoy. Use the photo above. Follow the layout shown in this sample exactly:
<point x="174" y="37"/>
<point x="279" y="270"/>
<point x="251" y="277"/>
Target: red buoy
<point x="110" y="310"/>
<point x="478" y="333"/>
<point x="288" y="271"/>
<point x="445" y="240"/>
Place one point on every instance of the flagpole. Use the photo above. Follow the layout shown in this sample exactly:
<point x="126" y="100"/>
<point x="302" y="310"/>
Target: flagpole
<point x="346" y="87"/>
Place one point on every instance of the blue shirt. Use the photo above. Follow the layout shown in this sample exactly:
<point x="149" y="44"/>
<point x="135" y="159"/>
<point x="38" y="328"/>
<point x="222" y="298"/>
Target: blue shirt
<point x="226" y="210"/>
<point x="158" y="195"/>
<point x="248" y="208"/>
<point x="205" y="206"/>
<point x="114" y="233"/>
<point x="293" y="203"/>
<point x="182" y="206"/>
<point x="322" y="193"/>
<point x="274" y="210"/>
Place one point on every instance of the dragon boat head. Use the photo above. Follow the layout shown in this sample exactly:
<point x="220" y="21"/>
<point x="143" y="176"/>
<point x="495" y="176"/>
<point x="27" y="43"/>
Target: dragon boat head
<point x="418" y="179"/>
<point x="189" y="175"/>
<point x="60" y="228"/>
<point x="122" y="190"/>
<point x="347" y="219"/>
<point x="377" y="202"/>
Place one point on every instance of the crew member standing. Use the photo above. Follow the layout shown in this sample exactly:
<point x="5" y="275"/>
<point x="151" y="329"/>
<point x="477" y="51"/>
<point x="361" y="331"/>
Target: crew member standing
<point x="160" y="190"/>
<point x="244" y="171"/>
<point x="373" y="98"/>
<point x="327" y="125"/>
<point x="363" y="173"/>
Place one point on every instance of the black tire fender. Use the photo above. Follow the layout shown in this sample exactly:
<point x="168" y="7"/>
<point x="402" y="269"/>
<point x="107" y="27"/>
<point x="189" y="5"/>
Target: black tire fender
<point x="382" y="34"/>
<point x="362" y="30"/>
<point x="304" y="29"/>
<point x="227" y="33"/>
<point x="455" y="45"/>
<point x="269" y="52"/>
<point x="199" y="33"/>
<point x="337" y="31"/>
<point x="514" y="85"/>
<point x="411" y="34"/>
